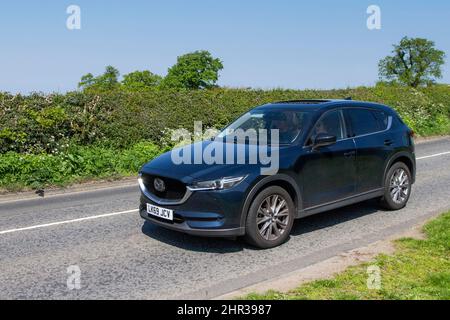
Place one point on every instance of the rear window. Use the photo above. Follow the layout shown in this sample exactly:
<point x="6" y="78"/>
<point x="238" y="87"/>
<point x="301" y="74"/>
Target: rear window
<point x="365" y="121"/>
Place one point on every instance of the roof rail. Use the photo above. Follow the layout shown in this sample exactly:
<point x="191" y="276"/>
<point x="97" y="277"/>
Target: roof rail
<point x="304" y="101"/>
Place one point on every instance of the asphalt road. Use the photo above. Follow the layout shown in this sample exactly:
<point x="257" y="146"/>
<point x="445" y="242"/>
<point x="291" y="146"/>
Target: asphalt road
<point x="121" y="257"/>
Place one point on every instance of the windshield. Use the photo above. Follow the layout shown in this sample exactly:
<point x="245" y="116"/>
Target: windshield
<point x="289" y="124"/>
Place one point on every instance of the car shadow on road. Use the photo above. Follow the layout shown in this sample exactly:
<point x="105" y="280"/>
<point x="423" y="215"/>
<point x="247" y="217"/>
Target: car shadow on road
<point x="225" y="245"/>
<point x="190" y="242"/>
<point x="334" y="217"/>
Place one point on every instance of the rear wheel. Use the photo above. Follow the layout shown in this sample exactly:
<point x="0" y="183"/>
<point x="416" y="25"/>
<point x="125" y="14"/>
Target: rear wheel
<point x="270" y="218"/>
<point x="397" y="187"/>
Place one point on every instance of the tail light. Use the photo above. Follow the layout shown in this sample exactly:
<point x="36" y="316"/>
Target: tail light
<point x="411" y="136"/>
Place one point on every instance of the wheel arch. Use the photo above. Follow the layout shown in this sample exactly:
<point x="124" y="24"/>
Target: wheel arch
<point x="282" y="180"/>
<point x="407" y="159"/>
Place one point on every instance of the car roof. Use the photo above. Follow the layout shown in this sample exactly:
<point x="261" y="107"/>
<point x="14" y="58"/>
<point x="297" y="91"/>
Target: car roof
<point x="321" y="105"/>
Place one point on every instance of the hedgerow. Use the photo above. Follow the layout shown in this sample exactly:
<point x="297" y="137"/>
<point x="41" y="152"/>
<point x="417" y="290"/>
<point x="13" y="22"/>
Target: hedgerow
<point x="76" y="164"/>
<point x="60" y="138"/>
<point x="119" y="118"/>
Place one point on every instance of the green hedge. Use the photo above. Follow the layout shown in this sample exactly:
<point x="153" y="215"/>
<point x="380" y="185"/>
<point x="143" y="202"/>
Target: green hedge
<point x="74" y="164"/>
<point x="117" y="119"/>
<point x="59" y="139"/>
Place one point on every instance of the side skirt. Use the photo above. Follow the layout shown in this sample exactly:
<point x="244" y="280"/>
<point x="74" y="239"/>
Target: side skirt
<point x="340" y="203"/>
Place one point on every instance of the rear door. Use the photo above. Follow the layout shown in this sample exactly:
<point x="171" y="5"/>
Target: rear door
<point x="373" y="141"/>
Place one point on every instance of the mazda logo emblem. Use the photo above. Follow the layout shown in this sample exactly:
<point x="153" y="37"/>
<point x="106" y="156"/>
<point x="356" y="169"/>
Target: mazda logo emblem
<point x="159" y="185"/>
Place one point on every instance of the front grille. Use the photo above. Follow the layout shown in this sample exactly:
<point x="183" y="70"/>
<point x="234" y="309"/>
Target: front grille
<point x="174" y="189"/>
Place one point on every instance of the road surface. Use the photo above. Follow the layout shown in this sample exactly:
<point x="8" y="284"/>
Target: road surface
<point x="122" y="257"/>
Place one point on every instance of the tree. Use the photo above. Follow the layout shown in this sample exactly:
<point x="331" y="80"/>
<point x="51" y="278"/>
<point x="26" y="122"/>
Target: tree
<point x="415" y="62"/>
<point x="140" y="80"/>
<point x="86" y="81"/>
<point x="108" y="80"/>
<point x="196" y="70"/>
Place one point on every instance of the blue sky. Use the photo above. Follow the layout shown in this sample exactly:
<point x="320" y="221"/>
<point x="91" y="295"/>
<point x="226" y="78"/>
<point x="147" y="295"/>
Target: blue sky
<point x="262" y="43"/>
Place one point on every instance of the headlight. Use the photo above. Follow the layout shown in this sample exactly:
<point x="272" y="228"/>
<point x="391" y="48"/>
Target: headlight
<point x="220" y="184"/>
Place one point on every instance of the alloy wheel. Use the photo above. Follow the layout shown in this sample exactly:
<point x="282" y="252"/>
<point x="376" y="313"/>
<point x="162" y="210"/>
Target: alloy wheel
<point x="272" y="217"/>
<point x="399" y="186"/>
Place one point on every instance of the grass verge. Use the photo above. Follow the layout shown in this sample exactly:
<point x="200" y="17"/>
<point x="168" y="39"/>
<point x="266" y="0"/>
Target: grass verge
<point x="420" y="269"/>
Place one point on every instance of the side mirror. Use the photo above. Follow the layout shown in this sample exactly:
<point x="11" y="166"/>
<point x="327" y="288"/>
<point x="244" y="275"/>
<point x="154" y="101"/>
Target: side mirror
<point x="323" y="140"/>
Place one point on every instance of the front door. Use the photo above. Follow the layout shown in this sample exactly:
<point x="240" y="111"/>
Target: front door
<point x="329" y="173"/>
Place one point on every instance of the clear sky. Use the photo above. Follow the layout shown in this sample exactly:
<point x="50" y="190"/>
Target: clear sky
<point x="262" y="43"/>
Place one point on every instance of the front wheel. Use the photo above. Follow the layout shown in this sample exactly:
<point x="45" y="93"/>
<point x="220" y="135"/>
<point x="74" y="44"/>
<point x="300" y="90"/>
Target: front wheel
<point x="270" y="218"/>
<point x="397" y="187"/>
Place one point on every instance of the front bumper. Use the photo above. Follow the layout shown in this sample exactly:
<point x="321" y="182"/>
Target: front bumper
<point x="185" y="228"/>
<point x="204" y="213"/>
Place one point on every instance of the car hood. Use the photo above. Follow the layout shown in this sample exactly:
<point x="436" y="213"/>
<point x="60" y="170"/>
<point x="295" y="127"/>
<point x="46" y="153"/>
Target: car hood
<point x="168" y="164"/>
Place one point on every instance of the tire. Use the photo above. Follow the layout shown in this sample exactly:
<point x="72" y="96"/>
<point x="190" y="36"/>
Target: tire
<point x="397" y="187"/>
<point x="277" y="224"/>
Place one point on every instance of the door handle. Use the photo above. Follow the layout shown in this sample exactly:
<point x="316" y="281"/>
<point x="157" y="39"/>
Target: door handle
<point x="388" y="142"/>
<point x="349" y="154"/>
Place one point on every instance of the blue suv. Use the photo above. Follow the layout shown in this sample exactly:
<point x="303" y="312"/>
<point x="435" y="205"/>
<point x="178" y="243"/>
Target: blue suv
<point x="330" y="154"/>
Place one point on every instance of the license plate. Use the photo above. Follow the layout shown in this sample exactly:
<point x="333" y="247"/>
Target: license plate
<point x="160" y="212"/>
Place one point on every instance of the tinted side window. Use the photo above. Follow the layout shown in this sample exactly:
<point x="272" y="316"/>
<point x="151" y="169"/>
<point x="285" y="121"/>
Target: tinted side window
<point x="330" y="124"/>
<point x="382" y="119"/>
<point x="363" y="121"/>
